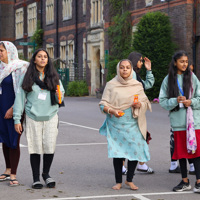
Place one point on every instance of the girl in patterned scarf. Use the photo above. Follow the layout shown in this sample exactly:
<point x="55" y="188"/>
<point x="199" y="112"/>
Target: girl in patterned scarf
<point x="180" y="95"/>
<point x="11" y="69"/>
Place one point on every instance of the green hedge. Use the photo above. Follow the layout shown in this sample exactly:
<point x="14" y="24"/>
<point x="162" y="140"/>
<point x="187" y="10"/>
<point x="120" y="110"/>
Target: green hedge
<point x="77" y="88"/>
<point x="153" y="39"/>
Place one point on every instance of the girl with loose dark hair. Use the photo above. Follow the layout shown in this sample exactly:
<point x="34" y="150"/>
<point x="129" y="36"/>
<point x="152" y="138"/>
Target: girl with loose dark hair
<point x="137" y="62"/>
<point x="173" y="91"/>
<point x="51" y="79"/>
<point x="180" y="94"/>
<point x="39" y="89"/>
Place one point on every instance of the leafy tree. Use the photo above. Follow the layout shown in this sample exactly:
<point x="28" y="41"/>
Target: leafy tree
<point x="119" y="34"/>
<point x="38" y="36"/>
<point x="153" y="39"/>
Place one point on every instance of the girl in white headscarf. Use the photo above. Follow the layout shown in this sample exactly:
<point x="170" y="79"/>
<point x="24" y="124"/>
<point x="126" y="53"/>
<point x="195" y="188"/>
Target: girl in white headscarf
<point x="11" y="70"/>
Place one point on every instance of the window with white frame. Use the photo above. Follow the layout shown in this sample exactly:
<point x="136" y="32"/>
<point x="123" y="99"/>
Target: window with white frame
<point x="19" y="23"/>
<point x="20" y="53"/>
<point x="30" y="53"/>
<point x="149" y="2"/>
<point x="49" y="11"/>
<point x="71" y="60"/>
<point x="96" y="12"/>
<point x="84" y="58"/>
<point x="84" y="7"/>
<point x="63" y="54"/>
<point x="67" y="9"/>
<point x="50" y="50"/>
<point x="134" y="29"/>
<point x="32" y="18"/>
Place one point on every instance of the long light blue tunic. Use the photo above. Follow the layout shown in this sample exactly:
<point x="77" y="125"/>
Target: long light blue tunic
<point x="124" y="137"/>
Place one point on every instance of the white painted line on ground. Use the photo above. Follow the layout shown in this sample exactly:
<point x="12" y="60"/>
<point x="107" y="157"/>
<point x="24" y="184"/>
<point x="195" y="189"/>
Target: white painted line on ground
<point x="139" y="196"/>
<point x="87" y="127"/>
<point x="80" y="144"/>
<point x="21" y="145"/>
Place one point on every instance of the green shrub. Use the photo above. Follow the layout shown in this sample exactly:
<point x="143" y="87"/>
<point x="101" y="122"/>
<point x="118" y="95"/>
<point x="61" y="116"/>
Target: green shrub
<point x="153" y="39"/>
<point x="38" y="36"/>
<point x="77" y="88"/>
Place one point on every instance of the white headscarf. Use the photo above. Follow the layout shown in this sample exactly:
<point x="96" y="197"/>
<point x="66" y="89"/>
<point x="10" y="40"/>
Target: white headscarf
<point x="15" y="66"/>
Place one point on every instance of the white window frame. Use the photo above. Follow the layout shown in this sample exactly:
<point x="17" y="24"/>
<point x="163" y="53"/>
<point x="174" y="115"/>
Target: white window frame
<point x="70" y="60"/>
<point x="67" y="9"/>
<point x="20" y="52"/>
<point x="30" y="53"/>
<point x="96" y="12"/>
<point x="84" y="57"/>
<point x="32" y="18"/>
<point x="50" y="50"/>
<point x="149" y="2"/>
<point x="84" y="7"/>
<point x="63" y="53"/>
<point x="19" y="23"/>
<point x="49" y="12"/>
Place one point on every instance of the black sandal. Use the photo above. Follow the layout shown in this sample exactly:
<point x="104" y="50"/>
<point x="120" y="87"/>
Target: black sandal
<point x="13" y="184"/>
<point x="7" y="177"/>
<point x="37" y="185"/>
<point x="50" y="183"/>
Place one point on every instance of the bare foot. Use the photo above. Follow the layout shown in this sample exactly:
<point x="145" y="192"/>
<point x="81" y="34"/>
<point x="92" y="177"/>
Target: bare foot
<point x="131" y="185"/>
<point x="117" y="186"/>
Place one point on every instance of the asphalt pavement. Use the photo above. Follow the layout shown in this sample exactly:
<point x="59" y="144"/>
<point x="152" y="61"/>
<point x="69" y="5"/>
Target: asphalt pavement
<point x="81" y="166"/>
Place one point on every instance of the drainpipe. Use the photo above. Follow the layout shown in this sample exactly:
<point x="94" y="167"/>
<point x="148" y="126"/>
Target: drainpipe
<point x="57" y="21"/>
<point x="41" y="14"/>
<point x="76" y="35"/>
<point x="194" y="37"/>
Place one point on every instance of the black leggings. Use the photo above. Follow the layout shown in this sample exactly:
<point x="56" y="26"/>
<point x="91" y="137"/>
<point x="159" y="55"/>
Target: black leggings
<point x="183" y="166"/>
<point x="35" y="165"/>
<point x="118" y="163"/>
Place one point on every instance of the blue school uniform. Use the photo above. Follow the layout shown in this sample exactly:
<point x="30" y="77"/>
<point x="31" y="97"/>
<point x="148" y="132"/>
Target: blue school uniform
<point x="8" y="135"/>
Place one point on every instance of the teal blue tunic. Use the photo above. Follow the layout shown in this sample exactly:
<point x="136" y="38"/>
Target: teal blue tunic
<point x="124" y="137"/>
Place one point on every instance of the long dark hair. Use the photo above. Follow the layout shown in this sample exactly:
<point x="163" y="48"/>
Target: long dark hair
<point x="173" y="90"/>
<point x="51" y="79"/>
<point x="134" y="57"/>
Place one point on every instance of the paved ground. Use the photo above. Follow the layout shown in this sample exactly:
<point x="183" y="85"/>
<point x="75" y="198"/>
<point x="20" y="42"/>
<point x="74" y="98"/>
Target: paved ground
<point x="82" y="169"/>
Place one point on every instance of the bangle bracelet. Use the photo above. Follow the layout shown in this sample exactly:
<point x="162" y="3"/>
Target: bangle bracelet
<point x="109" y="110"/>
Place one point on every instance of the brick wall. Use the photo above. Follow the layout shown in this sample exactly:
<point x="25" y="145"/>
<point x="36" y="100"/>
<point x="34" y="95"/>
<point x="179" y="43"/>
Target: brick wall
<point x="7" y="20"/>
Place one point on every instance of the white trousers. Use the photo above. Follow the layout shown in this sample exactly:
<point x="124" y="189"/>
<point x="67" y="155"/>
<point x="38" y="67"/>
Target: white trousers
<point x="41" y="135"/>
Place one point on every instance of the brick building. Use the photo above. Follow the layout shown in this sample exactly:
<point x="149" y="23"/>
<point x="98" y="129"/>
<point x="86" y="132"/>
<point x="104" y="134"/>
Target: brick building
<point x="7" y="20"/>
<point x="75" y="31"/>
<point x="185" y="18"/>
